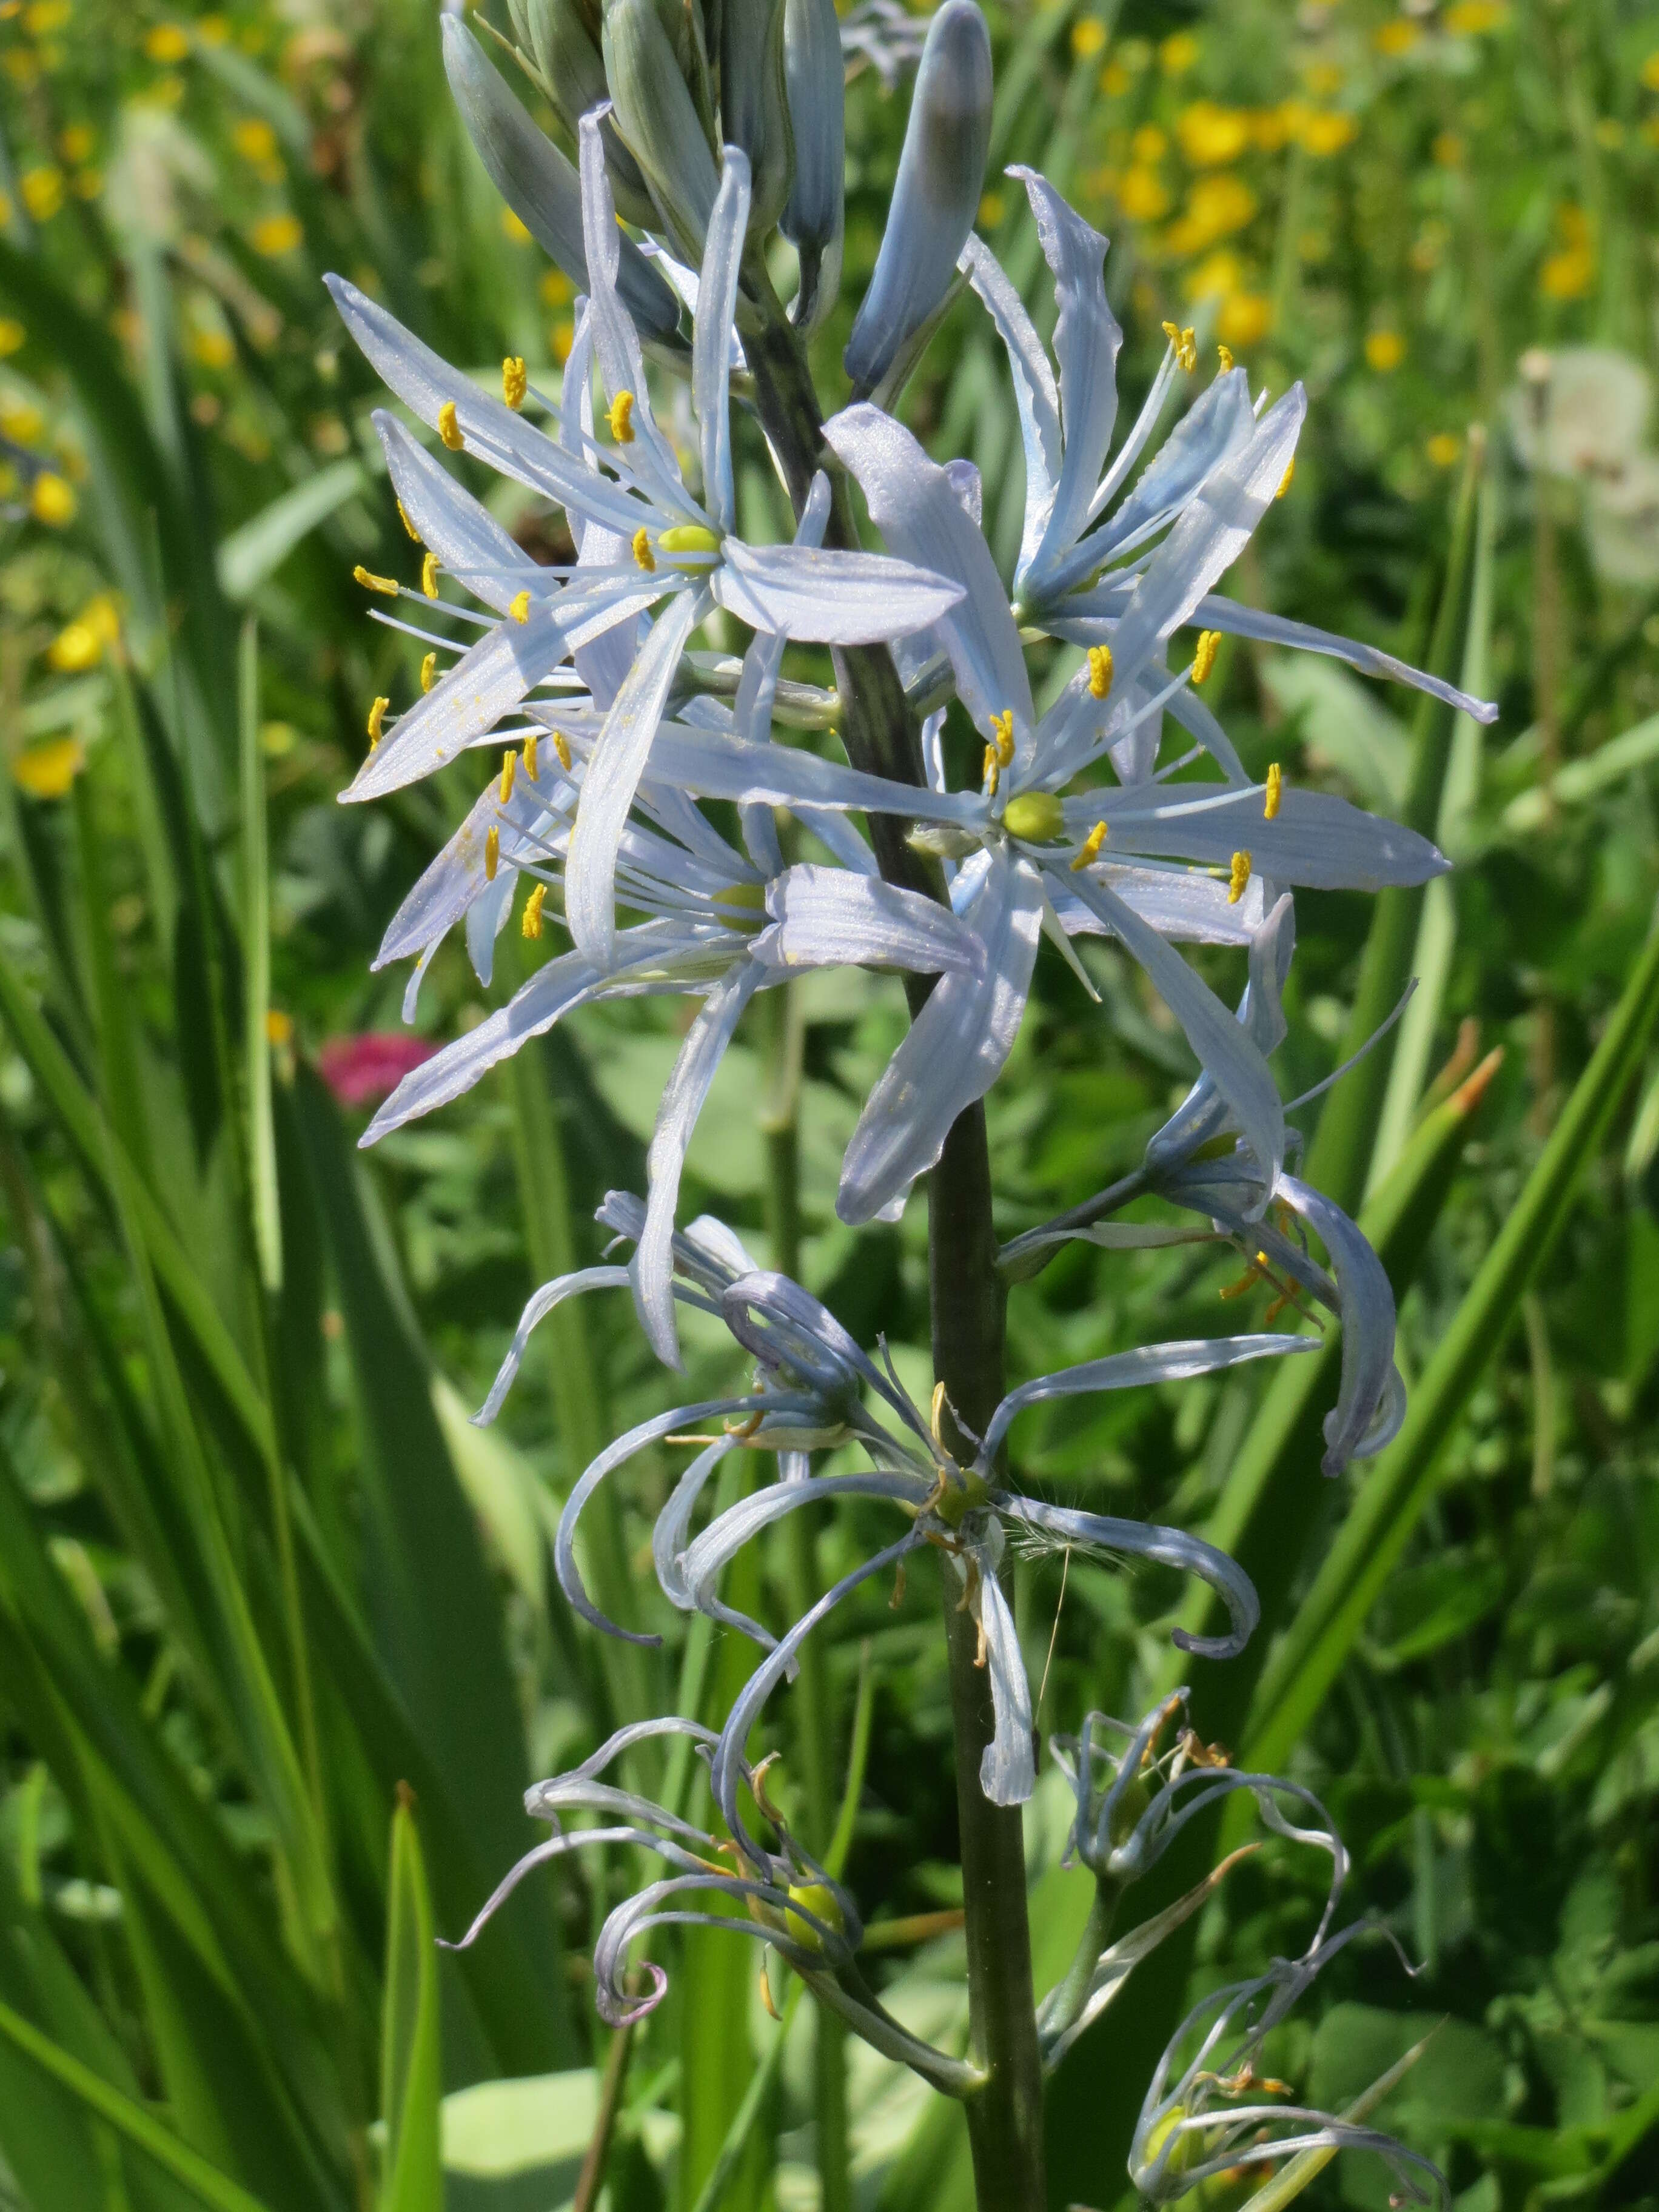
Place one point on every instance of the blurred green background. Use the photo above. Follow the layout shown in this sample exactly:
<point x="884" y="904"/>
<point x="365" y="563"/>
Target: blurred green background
<point x="279" y="1647"/>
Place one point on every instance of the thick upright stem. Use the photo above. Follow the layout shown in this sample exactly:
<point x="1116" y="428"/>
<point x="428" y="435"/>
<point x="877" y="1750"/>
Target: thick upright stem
<point x="1005" y="2116"/>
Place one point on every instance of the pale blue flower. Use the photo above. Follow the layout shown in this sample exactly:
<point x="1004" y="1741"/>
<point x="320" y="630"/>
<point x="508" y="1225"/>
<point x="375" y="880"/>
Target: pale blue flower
<point x="1188" y="1163"/>
<point x="1133" y="1801"/>
<point x="719" y="924"/>
<point x="1207" y="485"/>
<point x="1206" y="2114"/>
<point x="814" y="1388"/>
<point x="659" y="540"/>
<point x="792" y="1903"/>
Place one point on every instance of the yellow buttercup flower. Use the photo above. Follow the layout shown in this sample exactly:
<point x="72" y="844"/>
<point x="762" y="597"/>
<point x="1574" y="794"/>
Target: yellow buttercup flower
<point x="168" y="43"/>
<point x="1177" y="54"/>
<point x="1398" y="37"/>
<point x="51" y="500"/>
<point x="1210" y="134"/>
<point x="254" y="139"/>
<point x="1444" y="449"/>
<point x="47" y="770"/>
<point x="1088" y="38"/>
<point x="1142" y="195"/>
<point x="1384" y="351"/>
<point x="42" y="188"/>
<point x="274" y="235"/>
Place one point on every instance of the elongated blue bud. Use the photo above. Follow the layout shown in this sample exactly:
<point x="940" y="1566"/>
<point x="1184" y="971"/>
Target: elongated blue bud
<point x="562" y="38"/>
<point x="815" y="74"/>
<point x="941" y="171"/>
<point x="659" y="119"/>
<point x="537" y="183"/>
<point x="755" y="105"/>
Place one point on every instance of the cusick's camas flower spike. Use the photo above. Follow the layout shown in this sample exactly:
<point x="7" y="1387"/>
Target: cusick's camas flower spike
<point x="941" y="174"/>
<point x="629" y="816"/>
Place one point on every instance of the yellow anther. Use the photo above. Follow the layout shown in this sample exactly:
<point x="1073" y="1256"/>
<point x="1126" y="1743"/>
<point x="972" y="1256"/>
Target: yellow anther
<point x="767" y="1998"/>
<point x="531" y="924"/>
<point x="621" y="418"/>
<point x="1226" y="354"/>
<point x="936" y="1414"/>
<point x="1035" y="817"/>
<point x="1185" y="343"/>
<point x="492" y="854"/>
<point x="429" y="671"/>
<point x="430" y="575"/>
<point x="1285" y="481"/>
<point x="371" y="582"/>
<point x="1238" y="879"/>
<point x="509" y="763"/>
<point x="515" y="380"/>
<point x="1002" y="735"/>
<point x="562" y="746"/>
<point x="375" y="712"/>
<point x="520" y="609"/>
<point x="990" y="774"/>
<point x="688" y="538"/>
<point x="403" y="517"/>
<point x="1100" y="671"/>
<point x="530" y="757"/>
<point x="1092" y="844"/>
<point x="449" y="428"/>
<point x="1209" y="644"/>
<point x="642" y="552"/>
<point x="1274" y="794"/>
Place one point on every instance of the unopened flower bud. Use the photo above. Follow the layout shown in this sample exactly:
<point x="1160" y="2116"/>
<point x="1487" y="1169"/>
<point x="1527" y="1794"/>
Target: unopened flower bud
<point x="940" y="175"/>
<point x="659" y="120"/>
<point x="537" y="183"/>
<point x="755" y="105"/>
<point x="563" y="38"/>
<point x="815" y="75"/>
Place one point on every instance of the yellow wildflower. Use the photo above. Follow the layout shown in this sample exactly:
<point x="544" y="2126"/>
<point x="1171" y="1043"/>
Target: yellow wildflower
<point x="1384" y="351"/>
<point x="48" y="769"/>
<point x="1177" y="54"/>
<point x="42" y="188"/>
<point x="1210" y="134"/>
<point x="274" y="235"/>
<point x="51" y="500"/>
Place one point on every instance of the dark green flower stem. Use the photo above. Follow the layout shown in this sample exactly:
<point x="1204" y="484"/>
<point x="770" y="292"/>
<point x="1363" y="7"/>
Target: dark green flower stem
<point x="1004" y="2113"/>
